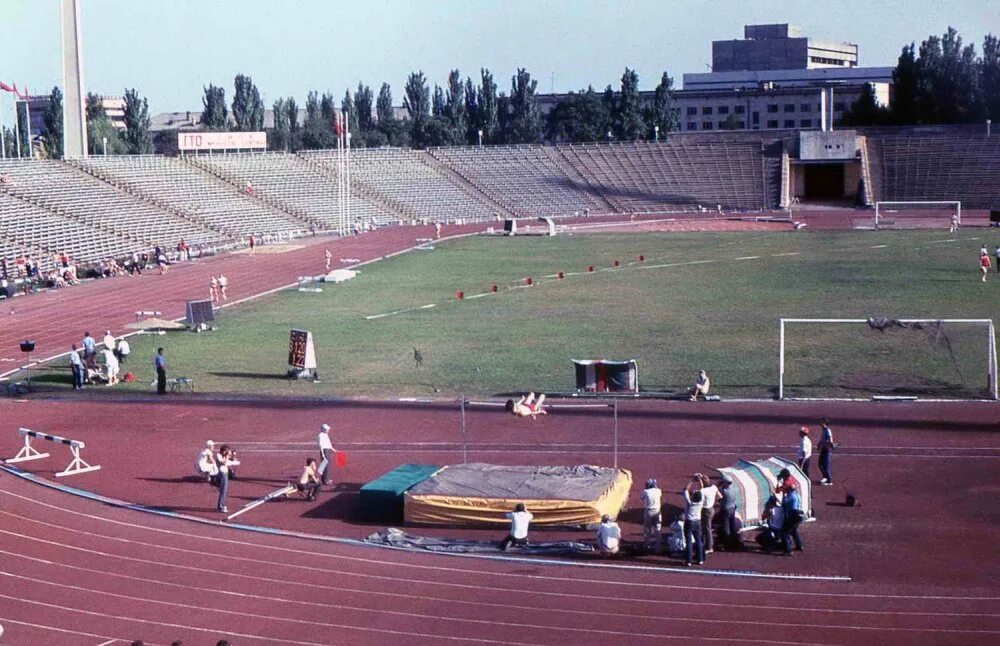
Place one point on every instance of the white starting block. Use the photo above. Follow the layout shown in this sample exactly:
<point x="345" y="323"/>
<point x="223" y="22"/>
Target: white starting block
<point x="28" y="452"/>
<point x="260" y="501"/>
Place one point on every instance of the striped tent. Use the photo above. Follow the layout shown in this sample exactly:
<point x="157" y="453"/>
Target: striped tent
<point x="756" y="480"/>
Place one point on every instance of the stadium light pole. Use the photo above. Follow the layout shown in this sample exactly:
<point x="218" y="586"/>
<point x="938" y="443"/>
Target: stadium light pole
<point x="656" y="133"/>
<point x="104" y="140"/>
<point x="481" y="138"/>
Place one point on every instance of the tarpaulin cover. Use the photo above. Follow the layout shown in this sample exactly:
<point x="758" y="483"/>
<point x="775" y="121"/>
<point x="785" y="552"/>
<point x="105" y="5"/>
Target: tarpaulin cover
<point x="393" y="537"/>
<point x="481" y="494"/>
<point x="382" y="498"/>
<point x="755" y="482"/>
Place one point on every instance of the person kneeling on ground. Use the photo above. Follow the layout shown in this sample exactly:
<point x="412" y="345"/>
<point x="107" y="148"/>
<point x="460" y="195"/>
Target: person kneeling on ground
<point x="769" y="537"/>
<point x="701" y="386"/>
<point x="309" y="481"/>
<point x="527" y="406"/>
<point x="609" y="536"/>
<point x="520" y="518"/>
<point x="205" y="465"/>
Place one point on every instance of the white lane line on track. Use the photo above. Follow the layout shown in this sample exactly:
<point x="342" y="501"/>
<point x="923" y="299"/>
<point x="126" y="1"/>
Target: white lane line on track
<point x="748" y="257"/>
<point x="469" y="620"/>
<point x="403" y="311"/>
<point x="344" y="607"/>
<point x="782" y="255"/>
<point x="415" y="566"/>
<point x="107" y="643"/>
<point x="15" y="622"/>
<point x="489" y="604"/>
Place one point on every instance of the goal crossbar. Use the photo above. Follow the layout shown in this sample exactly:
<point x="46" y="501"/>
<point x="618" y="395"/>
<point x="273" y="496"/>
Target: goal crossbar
<point x="991" y="344"/>
<point x="882" y="206"/>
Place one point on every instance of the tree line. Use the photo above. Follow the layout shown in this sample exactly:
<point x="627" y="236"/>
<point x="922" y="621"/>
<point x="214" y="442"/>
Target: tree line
<point x="941" y="81"/>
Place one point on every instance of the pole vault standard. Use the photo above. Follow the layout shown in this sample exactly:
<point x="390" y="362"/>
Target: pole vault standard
<point x="616" y="434"/>
<point x="465" y="439"/>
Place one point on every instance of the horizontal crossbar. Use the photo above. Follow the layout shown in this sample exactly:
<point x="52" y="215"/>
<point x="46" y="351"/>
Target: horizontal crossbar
<point x="51" y="438"/>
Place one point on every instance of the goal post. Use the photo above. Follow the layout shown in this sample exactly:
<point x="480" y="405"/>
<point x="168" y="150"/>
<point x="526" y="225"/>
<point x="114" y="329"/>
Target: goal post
<point x="917" y="214"/>
<point x="963" y="342"/>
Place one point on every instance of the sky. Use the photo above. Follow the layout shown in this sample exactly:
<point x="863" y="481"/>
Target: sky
<point x="170" y="49"/>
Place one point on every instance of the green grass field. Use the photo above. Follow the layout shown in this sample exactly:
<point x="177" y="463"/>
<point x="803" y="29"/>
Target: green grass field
<point x="706" y="308"/>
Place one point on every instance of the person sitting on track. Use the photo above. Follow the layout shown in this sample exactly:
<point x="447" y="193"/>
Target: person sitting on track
<point x="205" y="465"/>
<point x="701" y="386"/>
<point x="609" y="536"/>
<point x="520" y="518"/>
<point x="308" y="484"/>
<point x="527" y="406"/>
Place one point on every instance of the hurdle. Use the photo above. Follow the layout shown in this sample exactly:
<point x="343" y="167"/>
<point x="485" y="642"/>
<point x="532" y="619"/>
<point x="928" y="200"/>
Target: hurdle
<point x="260" y="501"/>
<point x="28" y="452"/>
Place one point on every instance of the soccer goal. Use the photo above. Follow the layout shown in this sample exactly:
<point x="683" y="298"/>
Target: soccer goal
<point x="917" y="215"/>
<point x="880" y="358"/>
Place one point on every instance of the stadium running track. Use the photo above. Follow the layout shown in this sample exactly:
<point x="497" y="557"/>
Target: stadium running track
<point x="915" y="563"/>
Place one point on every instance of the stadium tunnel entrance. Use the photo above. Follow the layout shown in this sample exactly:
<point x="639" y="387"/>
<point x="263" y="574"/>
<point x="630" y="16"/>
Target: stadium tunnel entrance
<point x="828" y="167"/>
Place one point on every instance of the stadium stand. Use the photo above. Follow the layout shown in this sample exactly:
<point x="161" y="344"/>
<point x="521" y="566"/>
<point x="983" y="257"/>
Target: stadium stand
<point x="526" y="180"/>
<point x="290" y="182"/>
<point x="30" y="227"/>
<point x="205" y="198"/>
<point x="410" y="183"/>
<point x="955" y="166"/>
<point x="73" y="193"/>
<point x="646" y="177"/>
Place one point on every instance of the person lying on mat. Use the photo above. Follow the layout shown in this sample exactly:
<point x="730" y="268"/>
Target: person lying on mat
<point x="527" y="406"/>
<point x="309" y="480"/>
<point x="520" y="518"/>
<point x="700" y="387"/>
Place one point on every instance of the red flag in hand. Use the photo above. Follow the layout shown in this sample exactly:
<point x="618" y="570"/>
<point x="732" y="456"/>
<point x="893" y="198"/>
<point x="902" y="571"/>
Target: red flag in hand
<point x="341" y="459"/>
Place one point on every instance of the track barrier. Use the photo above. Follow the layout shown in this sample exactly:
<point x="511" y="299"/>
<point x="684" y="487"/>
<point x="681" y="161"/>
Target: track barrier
<point x="590" y="268"/>
<point x="560" y="275"/>
<point x="617" y="264"/>
<point x="28" y="452"/>
<point x="493" y="288"/>
<point x="642" y="258"/>
<point x="459" y="295"/>
<point x="528" y="281"/>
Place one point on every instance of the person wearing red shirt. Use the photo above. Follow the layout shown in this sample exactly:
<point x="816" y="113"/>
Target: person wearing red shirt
<point x="984" y="265"/>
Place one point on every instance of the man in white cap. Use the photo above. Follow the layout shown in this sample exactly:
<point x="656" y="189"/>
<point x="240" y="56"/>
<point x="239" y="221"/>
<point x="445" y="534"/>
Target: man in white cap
<point x="205" y="465"/>
<point x="326" y="452"/>
<point x="805" y="450"/>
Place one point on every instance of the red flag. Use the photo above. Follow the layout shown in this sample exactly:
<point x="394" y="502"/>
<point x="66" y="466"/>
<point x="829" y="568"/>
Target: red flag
<point x="341" y="459"/>
<point x="5" y="87"/>
<point x="336" y="125"/>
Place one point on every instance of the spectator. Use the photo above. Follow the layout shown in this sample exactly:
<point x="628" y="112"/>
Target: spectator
<point x="109" y="340"/>
<point x="206" y="465"/>
<point x="701" y="386"/>
<point x="252" y="242"/>
<point x="826" y="447"/>
<point x="160" y="364"/>
<point x="520" y="518"/>
<point x="609" y="536"/>
<point x="111" y="366"/>
<point x="652" y="517"/>
<point x="791" y="509"/>
<point x="76" y="365"/>
<point x="729" y="523"/>
<point x="223" y="480"/>
<point x="123" y="350"/>
<point x="326" y="452"/>
<point x="329" y="258"/>
<point x="309" y="480"/>
<point x="692" y="523"/>
<point x="805" y="450"/>
<point x="709" y="494"/>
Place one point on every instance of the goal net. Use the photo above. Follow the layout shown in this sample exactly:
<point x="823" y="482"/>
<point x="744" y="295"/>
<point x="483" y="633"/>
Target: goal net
<point x="890" y="358"/>
<point x="917" y="215"/>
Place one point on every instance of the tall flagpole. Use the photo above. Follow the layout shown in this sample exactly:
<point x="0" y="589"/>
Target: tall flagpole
<point x="3" y="142"/>
<point x="17" y="131"/>
<point x="27" y="127"/>
<point x="347" y="163"/>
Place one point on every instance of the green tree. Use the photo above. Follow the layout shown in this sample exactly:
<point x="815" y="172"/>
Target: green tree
<point x="100" y="129"/>
<point x="472" y="117"/>
<point x="866" y="111"/>
<point x="455" y="107"/>
<point x="503" y="132"/>
<point x="904" y="79"/>
<point x="347" y="108"/>
<point x="279" y="132"/>
<point x="488" y="107"/>
<point x="580" y="117"/>
<point x="383" y="106"/>
<point x="731" y="123"/>
<point x="417" y="101"/>
<point x="664" y="112"/>
<point x="525" y="118"/>
<point x="317" y="130"/>
<point x="136" y="134"/>
<point x="438" y="106"/>
<point x="328" y="108"/>
<point x="9" y="142"/>
<point x="248" y="108"/>
<point x="294" y="131"/>
<point x="989" y="76"/>
<point x="363" y="103"/>
<point x="52" y="122"/>
<point x="629" y="121"/>
<point x="24" y="144"/>
<point x="214" y="115"/>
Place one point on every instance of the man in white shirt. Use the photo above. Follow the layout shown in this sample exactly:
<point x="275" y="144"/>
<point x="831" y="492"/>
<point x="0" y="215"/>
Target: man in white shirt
<point x="205" y="464"/>
<point x="520" y="518"/>
<point x="110" y="366"/>
<point x="326" y="452"/>
<point x="109" y="340"/>
<point x="652" y="519"/>
<point x="805" y="450"/>
<point x="76" y="364"/>
<point x="609" y="536"/>
<point x="709" y="494"/>
<point x="123" y="349"/>
<point x="701" y="386"/>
